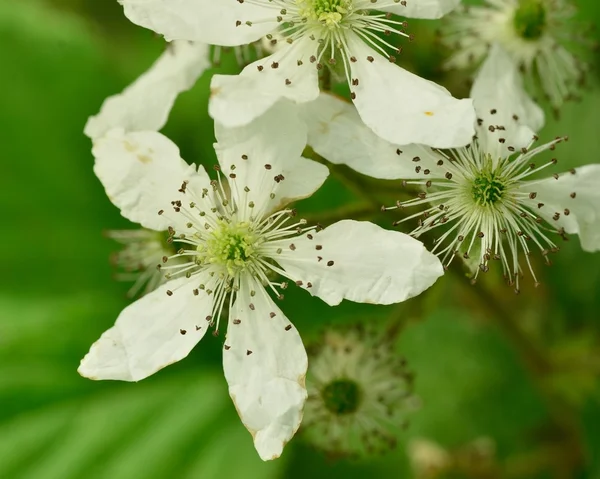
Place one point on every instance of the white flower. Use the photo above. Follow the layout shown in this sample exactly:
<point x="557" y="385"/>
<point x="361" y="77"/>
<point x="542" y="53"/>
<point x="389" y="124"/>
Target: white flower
<point x="344" y="34"/>
<point x="143" y="250"/>
<point x="483" y="199"/>
<point x="236" y="236"/>
<point x="359" y="391"/>
<point x="536" y="35"/>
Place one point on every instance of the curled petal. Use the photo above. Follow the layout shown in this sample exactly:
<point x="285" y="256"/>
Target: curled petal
<point x="146" y="103"/>
<point x="403" y="108"/>
<point x="501" y="102"/>
<point x="142" y="173"/>
<point x="265" y="366"/>
<point x="429" y="9"/>
<point x="236" y="100"/>
<point x="361" y="262"/>
<point x="337" y="133"/>
<point x="216" y="22"/>
<point x="572" y="202"/>
<point x="262" y="160"/>
<point x="155" y="331"/>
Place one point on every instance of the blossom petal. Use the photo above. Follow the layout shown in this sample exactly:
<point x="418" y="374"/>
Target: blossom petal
<point x="430" y="9"/>
<point x="403" y="108"/>
<point x="337" y="133"/>
<point x="149" y="334"/>
<point x="146" y="103"/>
<point x="236" y="100"/>
<point x="361" y="262"/>
<point x="216" y="22"/>
<point x="576" y="198"/>
<point x="142" y="173"/>
<point x="265" y="366"/>
<point x="262" y="160"/>
<point x="508" y="117"/>
<point x="499" y="85"/>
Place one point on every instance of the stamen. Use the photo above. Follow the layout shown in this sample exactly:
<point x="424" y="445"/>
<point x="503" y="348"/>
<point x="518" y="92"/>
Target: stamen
<point x="487" y="206"/>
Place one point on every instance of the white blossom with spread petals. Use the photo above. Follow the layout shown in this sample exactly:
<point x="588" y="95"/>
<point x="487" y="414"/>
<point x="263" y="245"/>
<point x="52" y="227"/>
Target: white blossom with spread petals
<point x="236" y="236"/>
<point x="483" y="199"/>
<point x="344" y="34"/>
<point x="535" y="34"/>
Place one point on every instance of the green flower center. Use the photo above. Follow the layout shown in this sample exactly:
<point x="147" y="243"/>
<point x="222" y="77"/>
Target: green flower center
<point x="232" y="246"/>
<point x="488" y="188"/>
<point x="530" y="19"/>
<point x="329" y="12"/>
<point x="341" y="396"/>
<point x="489" y="184"/>
<point x="328" y="6"/>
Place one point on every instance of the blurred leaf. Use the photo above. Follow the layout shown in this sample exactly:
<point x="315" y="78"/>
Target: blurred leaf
<point x="469" y="380"/>
<point x="155" y="429"/>
<point x="173" y="424"/>
<point x="53" y="76"/>
<point x="578" y="367"/>
<point x="590" y="421"/>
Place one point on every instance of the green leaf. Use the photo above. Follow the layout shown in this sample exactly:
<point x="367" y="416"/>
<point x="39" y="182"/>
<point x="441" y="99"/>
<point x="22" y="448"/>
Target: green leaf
<point x="175" y="424"/>
<point x="53" y="78"/>
<point x="469" y="380"/>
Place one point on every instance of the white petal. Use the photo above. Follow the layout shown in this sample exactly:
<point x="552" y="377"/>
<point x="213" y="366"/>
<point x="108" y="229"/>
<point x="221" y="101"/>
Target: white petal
<point x="253" y="156"/>
<point x="584" y="210"/>
<point x="361" y="262"/>
<point x="236" y="100"/>
<point x="155" y="331"/>
<point x="265" y="366"/>
<point x="337" y="133"/>
<point x="146" y="103"/>
<point x="142" y="173"/>
<point x="216" y="22"/>
<point x="430" y="9"/>
<point x="500" y="100"/>
<point x="403" y="108"/>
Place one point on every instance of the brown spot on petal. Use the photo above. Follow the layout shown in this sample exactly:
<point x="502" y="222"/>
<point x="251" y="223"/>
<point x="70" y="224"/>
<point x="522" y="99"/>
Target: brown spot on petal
<point x="429" y="113"/>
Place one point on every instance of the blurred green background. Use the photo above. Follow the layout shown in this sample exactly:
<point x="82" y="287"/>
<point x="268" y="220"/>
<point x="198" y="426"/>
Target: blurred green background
<point x="517" y="372"/>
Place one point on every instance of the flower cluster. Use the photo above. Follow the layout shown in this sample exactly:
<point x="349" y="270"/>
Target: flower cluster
<point x="234" y="242"/>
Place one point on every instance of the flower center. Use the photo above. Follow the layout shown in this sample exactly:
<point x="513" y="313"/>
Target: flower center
<point x="488" y="188"/>
<point x="341" y="396"/>
<point x="329" y="12"/>
<point x="530" y="19"/>
<point x="230" y="245"/>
